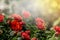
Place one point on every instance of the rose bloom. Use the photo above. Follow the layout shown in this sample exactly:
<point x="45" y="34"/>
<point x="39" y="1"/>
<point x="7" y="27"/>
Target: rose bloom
<point x="39" y="20"/>
<point x="1" y="18"/>
<point x="40" y="23"/>
<point x="34" y="38"/>
<point x="25" y="36"/>
<point x="40" y="26"/>
<point x="15" y="16"/>
<point x="26" y="14"/>
<point x="57" y="28"/>
<point x="15" y="25"/>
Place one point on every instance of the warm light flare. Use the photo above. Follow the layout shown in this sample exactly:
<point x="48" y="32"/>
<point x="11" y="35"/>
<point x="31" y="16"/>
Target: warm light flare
<point x="48" y="6"/>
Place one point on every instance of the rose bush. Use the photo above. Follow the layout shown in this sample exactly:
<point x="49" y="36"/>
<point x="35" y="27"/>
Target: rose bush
<point x="14" y="27"/>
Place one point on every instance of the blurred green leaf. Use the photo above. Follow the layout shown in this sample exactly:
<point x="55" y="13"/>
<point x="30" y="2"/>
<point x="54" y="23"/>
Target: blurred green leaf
<point x="14" y="38"/>
<point x="53" y="37"/>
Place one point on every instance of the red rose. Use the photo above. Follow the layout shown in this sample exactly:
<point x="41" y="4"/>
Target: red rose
<point x="57" y="28"/>
<point x="34" y="38"/>
<point x="16" y="16"/>
<point x="1" y="18"/>
<point x="41" y="26"/>
<point x="25" y="36"/>
<point x="39" y="20"/>
<point x="15" y="25"/>
<point x="40" y="23"/>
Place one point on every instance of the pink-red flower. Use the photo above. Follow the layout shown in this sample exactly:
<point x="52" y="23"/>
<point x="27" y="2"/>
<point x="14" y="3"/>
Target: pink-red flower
<point x="57" y="30"/>
<point x="26" y="14"/>
<point x="1" y="18"/>
<point x="40" y="23"/>
<point x="15" y="16"/>
<point x="15" y="25"/>
<point x="34" y="38"/>
<point x="25" y="36"/>
<point x="39" y="20"/>
<point x="40" y="26"/>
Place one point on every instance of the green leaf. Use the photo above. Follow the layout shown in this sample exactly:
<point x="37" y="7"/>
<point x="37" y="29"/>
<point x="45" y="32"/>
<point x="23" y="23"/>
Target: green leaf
<point x="53" y="37"/>
<point x="14" y="38"/>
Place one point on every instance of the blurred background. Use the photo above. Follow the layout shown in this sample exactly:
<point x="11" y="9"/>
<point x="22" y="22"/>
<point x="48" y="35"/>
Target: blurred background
<point x="49" y="10"/>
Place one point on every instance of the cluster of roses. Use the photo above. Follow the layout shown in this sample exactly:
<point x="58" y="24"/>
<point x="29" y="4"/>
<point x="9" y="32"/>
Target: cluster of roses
<point x="17" y="25"/>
